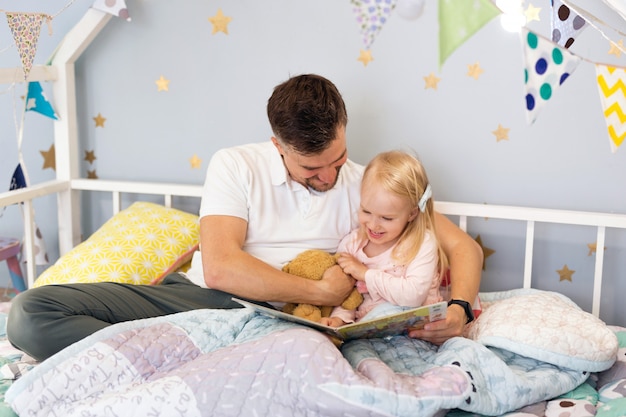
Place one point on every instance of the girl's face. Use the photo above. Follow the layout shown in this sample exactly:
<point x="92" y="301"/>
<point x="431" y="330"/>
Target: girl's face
<point x="384" y="215"/>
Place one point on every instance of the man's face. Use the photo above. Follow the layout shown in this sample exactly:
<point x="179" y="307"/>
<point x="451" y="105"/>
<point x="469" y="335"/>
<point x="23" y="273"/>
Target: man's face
<point x="317" y="172"/>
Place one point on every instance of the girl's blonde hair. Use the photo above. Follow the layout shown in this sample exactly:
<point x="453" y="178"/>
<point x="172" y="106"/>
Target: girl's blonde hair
<point x="403" y="174"/>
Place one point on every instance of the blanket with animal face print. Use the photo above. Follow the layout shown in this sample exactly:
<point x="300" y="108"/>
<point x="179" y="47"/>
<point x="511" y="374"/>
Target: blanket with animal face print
<point x="241" y="363"/>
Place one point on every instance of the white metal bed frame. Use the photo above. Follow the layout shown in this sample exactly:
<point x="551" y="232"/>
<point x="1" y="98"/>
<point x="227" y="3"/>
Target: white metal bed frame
<point x="68" y="184"/>
<point x="464" y="211"/>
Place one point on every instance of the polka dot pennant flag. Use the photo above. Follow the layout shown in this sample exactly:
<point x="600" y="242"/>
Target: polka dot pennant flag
<point x="547" y="66"/>
<point x="612" y="87"/>
<point x="566" y="24"/>
<point x="36" y="101"/>
<point x="25" y="28"/>
<point x="459" y="20"/>
<point x="115" y="7"/>
<point x="372" y="16"/>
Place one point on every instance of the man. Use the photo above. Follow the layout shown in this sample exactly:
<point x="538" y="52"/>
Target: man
<point x="262" y="205"/>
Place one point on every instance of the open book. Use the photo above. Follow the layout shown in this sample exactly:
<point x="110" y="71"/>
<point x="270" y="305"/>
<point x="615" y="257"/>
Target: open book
<point x="391" y="325"/>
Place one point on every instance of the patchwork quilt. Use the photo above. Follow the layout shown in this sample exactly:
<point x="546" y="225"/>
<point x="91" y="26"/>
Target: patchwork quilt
<point x="241" y="363"/>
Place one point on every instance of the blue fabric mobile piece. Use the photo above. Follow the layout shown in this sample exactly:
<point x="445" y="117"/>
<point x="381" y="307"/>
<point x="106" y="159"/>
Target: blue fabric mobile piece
<point x="547" y="66"/>
<point x="36" y="101"/>
<point x="17" y="180"/>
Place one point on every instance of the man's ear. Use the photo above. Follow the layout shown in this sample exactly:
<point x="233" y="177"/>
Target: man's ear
<point x="278" y="146"/>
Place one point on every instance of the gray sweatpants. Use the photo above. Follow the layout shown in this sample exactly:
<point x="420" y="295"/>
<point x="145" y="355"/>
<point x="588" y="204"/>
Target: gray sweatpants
<point x="44" y="320"/>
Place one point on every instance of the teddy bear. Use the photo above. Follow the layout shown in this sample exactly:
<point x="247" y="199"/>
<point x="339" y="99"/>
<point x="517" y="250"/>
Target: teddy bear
<point x="311" y="264"/>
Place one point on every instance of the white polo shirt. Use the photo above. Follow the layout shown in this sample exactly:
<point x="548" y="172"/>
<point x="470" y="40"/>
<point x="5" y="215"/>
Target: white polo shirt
<point x="284" y="218"/>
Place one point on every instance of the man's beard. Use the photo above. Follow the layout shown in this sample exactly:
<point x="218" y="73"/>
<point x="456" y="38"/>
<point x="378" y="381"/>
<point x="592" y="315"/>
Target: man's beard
<point x="325" y="187"/>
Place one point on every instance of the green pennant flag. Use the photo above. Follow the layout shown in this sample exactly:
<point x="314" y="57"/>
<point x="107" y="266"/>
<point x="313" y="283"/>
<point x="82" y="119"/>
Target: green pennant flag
<point x="459" y="20"/>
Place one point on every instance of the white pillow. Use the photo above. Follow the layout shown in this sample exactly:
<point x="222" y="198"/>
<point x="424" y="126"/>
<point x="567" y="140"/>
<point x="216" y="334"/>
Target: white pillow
<point x="546" y="326"/>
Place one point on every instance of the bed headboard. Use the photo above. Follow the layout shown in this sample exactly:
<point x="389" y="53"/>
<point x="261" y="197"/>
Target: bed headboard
<point x="461" y="213"/>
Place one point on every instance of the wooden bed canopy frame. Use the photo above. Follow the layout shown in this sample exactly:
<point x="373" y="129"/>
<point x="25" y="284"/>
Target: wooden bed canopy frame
<point x="68" y="183"/>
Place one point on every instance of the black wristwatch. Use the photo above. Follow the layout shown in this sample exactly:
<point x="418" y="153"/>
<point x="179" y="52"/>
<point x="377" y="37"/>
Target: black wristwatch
<point x="466" y="306"/>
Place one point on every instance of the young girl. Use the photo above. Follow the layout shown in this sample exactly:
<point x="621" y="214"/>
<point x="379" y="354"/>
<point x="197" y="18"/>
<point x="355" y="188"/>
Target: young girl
<point x="394" y="254"/>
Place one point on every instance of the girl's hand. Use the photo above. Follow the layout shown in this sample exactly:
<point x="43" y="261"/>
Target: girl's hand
<point x="352" y="266"/>
<point x="332" y="321"/>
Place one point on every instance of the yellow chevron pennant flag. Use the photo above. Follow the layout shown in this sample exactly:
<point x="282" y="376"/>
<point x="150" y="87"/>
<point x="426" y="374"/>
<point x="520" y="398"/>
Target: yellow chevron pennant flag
<point x="546" y="67"/>
<point x="612" y="87"/>
<point x="459" y="20"/>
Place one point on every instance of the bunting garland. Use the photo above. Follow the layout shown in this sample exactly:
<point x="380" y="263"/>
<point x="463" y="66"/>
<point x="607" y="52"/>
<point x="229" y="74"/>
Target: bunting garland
<point x="547" y="66"/>
<point x="25" y="28"/>
<point x="36" y="101"/>
<point x="566" y="24"/>
<point x="115" y="7"/>
<point x="613" y="97"/>
<point x="604" y="28"/>
<point x="459" y="20"/>
<point x="371" y="16"/>
<point x="547" y="63"/>
<point x="18" y="180"/>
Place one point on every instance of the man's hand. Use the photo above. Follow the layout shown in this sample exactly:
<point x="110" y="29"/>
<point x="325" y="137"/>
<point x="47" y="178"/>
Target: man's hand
<point x="439" y="331"/>
<point x="335" y="286"/>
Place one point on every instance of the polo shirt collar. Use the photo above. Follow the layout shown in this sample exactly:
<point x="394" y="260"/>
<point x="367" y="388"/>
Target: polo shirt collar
<point x="278" y="171"/>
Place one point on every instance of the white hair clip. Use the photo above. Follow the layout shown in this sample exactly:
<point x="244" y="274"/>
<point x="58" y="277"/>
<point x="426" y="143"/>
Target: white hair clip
<point x="428" y="192"/>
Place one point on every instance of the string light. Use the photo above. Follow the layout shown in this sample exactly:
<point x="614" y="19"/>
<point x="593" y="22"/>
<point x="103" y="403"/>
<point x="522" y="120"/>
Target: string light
<point x="512" y="18"/>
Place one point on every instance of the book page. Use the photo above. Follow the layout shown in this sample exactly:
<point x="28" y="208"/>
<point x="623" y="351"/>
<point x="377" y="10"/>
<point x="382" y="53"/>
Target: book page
<point x="394" y="324"/>
<point x="391" y="325"/>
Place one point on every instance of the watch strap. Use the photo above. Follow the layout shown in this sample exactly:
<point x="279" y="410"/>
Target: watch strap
<point x="466" y="306"/>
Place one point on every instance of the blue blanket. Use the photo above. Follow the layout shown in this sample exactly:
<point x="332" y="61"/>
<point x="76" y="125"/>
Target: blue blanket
<point x="240" y="363"/>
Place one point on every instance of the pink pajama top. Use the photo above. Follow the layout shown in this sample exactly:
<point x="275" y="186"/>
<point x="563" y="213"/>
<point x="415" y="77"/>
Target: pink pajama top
<point x="410" y="285"/>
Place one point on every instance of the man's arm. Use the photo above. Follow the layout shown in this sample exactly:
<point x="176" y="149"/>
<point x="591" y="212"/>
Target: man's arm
<point x="228" y="268"/>
<point x="466" y="260"/>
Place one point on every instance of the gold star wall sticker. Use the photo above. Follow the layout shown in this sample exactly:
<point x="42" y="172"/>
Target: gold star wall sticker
<point x="474" y="70"/>
<point x="617" y="48"/>
<point x="49" y="158"/>
<point x="163" y="84"/>
<point x="565" y="274"/>
<point x="431" y="81"/>
<point x="501" y="133"/>
<point x="99" y="120"/>
<point x="220" y="22"/>
<point x="195" y="162"/>
<point x="593" y="248"/>
<point x="90" y="156"/>
<point x="532" y="13"/>
<point x="92" y="175"/>
<point x="365" y="56"/>
<point x="487" y="252"/>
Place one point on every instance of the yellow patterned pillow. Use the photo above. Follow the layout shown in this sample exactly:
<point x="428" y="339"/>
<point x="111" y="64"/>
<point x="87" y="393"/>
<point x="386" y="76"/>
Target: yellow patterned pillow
<point x="138" y="245"/>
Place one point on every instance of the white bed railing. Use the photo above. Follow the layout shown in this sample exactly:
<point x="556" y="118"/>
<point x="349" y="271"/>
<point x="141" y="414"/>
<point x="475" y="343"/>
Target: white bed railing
<point x="601" y="221"/>
<point x="68" y="231"/>
<point x="117" y="188"/>
<point x="464" y="211"/>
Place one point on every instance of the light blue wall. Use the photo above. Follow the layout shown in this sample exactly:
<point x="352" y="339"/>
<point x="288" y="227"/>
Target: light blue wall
<point x="219" y="85"/>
